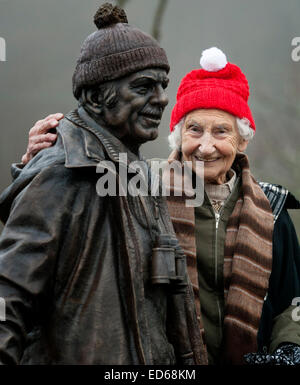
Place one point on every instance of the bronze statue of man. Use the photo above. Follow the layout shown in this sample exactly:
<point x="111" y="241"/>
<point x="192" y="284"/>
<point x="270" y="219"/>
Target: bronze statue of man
<point x="78" y="271"/>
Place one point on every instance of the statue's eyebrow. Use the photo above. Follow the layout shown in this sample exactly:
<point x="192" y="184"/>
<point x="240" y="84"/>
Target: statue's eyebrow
<point x="150" y="78"/>
<point x="142" y="79"/>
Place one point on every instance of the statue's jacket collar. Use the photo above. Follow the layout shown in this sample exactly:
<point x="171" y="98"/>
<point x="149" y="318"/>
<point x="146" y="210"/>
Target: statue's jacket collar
<point x="81" y="143"/>
<point x="86" y="143"/>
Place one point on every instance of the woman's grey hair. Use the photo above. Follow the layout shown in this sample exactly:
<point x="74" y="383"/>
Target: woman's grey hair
<point x="246" y="132"/>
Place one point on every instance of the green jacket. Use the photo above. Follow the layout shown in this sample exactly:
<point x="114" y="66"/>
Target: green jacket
<point x="276" y="325"/>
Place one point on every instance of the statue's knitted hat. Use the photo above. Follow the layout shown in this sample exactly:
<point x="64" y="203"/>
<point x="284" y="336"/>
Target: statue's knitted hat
<point x="219" y="84"/>
<point x="117" y="49"/>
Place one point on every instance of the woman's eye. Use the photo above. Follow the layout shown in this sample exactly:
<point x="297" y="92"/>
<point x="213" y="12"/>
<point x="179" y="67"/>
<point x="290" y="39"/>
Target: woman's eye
<point x="221" y="131"/>
<point x="195" y="129"/>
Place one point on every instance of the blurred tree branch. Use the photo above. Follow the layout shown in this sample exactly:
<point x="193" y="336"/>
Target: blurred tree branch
<point x="159" y="13"/>
<point x="121" y="3"/>
<point x="160" y="10"/>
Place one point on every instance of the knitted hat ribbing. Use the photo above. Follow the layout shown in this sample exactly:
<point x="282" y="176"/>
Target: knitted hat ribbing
<point x="219" y="85"/>
<point x="117" y="49"/>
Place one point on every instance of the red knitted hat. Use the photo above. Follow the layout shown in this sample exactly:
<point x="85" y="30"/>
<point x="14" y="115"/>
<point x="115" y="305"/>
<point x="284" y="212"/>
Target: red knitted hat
<point x="219" y="85"/>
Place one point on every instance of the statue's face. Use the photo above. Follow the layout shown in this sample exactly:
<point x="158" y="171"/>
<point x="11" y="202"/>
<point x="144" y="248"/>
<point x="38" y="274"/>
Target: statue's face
<point x="140" y="102"/>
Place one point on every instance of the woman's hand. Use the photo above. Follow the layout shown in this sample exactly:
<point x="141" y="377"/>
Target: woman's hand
<point x="40" y="137"/>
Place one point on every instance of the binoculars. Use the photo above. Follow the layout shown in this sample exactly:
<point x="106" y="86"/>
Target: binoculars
<point x="168" y="261"/>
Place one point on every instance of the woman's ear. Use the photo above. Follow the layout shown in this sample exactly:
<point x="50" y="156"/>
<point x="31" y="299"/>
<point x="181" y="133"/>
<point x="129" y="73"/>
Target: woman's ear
<point x="243" y="145"/>
<point x="92" y="102"/>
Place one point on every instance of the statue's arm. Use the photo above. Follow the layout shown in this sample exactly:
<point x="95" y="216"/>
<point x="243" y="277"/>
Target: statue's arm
<point x="183" y="328"/>
<point x="29" y="245"/>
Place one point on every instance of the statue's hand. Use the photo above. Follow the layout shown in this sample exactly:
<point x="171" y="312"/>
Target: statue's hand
<point x="40" y="137"/>
<point x="285" y="354"/>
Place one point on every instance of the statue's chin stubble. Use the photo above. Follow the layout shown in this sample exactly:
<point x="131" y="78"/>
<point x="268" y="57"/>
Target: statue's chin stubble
<point x="153" y="135"/>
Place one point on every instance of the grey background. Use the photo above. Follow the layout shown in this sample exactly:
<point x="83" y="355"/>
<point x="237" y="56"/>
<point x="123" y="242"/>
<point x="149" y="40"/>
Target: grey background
<point x="43" y="40"/>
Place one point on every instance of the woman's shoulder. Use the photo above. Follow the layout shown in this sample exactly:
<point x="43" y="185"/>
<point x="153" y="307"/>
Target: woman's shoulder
<point x="279" y="197"/>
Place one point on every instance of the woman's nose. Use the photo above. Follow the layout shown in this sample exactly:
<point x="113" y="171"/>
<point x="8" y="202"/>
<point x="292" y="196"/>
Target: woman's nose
<point x="206" y="145"/>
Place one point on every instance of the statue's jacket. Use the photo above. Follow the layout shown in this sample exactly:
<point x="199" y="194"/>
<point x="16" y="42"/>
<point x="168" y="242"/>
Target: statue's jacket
<point x="75" y="267"/>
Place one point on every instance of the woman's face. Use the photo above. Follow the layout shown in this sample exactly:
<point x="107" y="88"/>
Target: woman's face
<point x="211" y="136"/>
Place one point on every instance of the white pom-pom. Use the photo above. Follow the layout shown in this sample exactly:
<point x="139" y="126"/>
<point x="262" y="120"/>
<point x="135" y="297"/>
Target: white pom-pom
<point x="213" y="59"/>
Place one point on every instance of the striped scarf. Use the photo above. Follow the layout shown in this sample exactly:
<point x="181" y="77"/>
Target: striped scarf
<point x="247" y="261"/>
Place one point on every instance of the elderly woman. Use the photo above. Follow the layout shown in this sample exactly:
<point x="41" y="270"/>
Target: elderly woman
<point x="242" y="231"/>
<point x="241" y="246"/>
